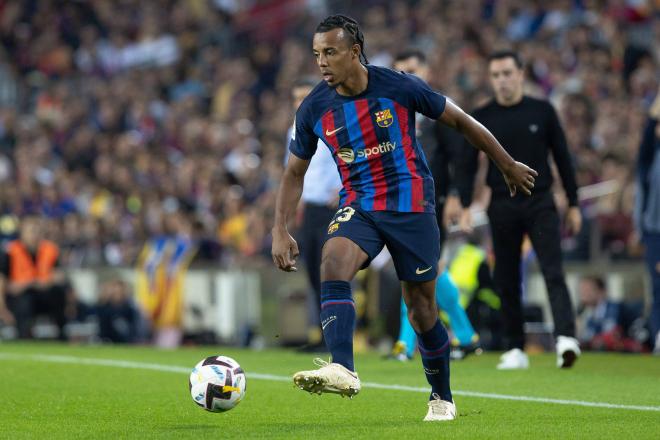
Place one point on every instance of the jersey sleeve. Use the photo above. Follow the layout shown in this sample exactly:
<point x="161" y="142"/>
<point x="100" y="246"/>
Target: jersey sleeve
<point x="425" y="100"/>
<point x="303" y="140"/>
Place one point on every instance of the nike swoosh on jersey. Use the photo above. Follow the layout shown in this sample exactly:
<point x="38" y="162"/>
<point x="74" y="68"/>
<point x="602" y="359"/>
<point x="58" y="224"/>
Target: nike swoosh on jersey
<point x="419" y="271"/>
<point x="330" y="133"/>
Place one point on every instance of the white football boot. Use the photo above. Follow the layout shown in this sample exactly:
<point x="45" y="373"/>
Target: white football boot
<point x="330" y="378"/>
<point x="568" y="350"/>
<point x="514" y="359"/>
<point x="440" y="410"/>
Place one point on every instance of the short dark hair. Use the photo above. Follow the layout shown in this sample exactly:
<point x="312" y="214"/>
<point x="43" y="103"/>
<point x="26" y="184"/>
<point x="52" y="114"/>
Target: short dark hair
<point x="305" y="81"/>
<point x="349" y="25"/>
<point x="507" y="53"/>
<point x="598" y="281"/>
<point x="410" y="53"/>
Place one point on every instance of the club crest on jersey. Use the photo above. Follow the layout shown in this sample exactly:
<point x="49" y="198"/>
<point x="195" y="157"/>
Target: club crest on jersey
<point x="384" y="118"/>
<point x="333" y="228"/>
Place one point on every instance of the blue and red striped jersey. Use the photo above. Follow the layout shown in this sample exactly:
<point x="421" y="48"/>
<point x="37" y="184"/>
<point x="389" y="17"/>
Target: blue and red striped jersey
<point x="372" y="139"/>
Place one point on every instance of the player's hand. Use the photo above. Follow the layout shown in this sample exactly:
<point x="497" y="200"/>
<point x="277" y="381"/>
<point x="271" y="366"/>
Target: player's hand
<point x="452" y="212"/>
<point x="6" y="316"/>
<point x="284" y="251"/>
<point x="520" y="177"/>
<point x="574" y="220"/>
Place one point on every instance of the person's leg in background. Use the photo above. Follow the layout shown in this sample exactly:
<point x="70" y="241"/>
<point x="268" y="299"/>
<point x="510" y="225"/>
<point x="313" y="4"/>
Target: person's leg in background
<point x="52" y="302"/>
<point x="542" y="222"/>
<point x="651" y="242"/>
<point x="447" y="296"/>
<point x="507" y="231"/>
<point x="404" y="348"/>
<point x="21" y="306"/>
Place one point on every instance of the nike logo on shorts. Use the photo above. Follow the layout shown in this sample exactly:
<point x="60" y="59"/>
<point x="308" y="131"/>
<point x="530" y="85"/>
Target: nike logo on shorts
<point x="419" y="271"/>
<point x="330" y="133"/>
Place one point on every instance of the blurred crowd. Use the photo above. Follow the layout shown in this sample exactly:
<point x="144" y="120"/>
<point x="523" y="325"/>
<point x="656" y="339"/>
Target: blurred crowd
<point x="125" y="120"/>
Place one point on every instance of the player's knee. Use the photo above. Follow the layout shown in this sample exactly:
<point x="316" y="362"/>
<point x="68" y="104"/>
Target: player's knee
<point x="332" y="267"/>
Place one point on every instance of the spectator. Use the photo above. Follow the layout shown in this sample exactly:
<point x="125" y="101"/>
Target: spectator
<point x="648" y="210"/>
<point x="601" y="323"/>
<point x="119" y="318"/>
<point x="125" y="110"/>
<point x="30" y="281"/>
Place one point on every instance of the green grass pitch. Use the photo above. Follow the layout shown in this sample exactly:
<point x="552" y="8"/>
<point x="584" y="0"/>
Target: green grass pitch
<point x="59" y="396"/>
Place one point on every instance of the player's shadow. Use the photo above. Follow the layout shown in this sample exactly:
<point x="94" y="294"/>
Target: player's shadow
<point x="191" y="428"/>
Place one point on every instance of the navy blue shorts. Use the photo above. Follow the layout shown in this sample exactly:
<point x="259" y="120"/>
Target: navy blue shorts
<point x="412" y="238"/>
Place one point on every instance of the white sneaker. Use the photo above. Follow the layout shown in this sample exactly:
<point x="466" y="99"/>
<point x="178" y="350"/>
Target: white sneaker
<point x="440" y="410"/>
<point x="568" y="350"/>
<point x="514" y="359"/>
<point x="330" y="378"/>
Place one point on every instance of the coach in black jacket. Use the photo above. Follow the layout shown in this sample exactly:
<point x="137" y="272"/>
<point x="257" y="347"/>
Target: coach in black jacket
<point x="529" y="130"/>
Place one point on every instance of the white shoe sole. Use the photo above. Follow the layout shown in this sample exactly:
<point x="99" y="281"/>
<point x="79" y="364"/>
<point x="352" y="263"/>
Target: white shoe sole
<point x="319" y="385"/>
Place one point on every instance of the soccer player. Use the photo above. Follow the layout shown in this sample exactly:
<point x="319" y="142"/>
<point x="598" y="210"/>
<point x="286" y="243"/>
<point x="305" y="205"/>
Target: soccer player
<point x="437" y="142"/>
<point x="366" y="115"/>
<point x="532" y="131"/>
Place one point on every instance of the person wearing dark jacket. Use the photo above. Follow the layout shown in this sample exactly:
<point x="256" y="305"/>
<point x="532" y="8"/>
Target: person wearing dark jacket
<point x="647" y="210"/>
<point x="530" y="131"/>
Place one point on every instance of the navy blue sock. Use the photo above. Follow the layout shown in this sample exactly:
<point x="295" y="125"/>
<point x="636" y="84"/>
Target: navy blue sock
<point x="338" y="321"/>
<point x="434" y="348"/>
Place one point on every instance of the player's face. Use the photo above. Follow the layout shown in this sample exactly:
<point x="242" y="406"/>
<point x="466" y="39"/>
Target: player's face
<point x="334" y="55"/>
<point x="506" y="78"/>
<point x="299" y="93"/>
<point x="413" y="66"/>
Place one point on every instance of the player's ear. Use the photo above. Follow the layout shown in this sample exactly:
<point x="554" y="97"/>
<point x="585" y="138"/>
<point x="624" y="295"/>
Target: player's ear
<point x="355" y="51"/>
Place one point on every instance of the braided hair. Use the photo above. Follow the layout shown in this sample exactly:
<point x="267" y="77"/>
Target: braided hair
<point x="349" y="25"/>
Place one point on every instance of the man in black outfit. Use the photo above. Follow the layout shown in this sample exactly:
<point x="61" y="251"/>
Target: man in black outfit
<point x="529" y="130"/>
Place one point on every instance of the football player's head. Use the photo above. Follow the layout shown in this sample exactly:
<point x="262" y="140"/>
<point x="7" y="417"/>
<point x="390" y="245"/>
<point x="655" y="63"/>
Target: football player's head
<point x="338" y="47"/>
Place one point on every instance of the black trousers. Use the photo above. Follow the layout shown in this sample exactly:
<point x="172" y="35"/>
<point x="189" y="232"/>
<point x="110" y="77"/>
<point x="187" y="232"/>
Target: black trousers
<point x="510" y="219"/>
<point x="439" y="212"/>
<point x="313" y="233"/>
<point x="33" y="302"/>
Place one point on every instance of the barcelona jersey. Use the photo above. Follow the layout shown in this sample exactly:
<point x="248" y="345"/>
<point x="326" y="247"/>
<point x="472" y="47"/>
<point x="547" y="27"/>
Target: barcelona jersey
<point x="372" y="139"/>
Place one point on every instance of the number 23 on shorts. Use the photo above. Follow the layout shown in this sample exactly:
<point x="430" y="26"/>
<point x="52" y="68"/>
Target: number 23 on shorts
<point x="342" y="215"/>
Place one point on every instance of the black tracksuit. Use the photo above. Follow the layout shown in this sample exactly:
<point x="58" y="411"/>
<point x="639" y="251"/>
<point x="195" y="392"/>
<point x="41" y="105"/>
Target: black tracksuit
<point x="440" y="144"/>
<point x="529" y="131"/>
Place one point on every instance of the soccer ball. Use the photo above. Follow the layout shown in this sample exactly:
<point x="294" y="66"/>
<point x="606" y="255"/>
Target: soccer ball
<point x="217" y="383"/>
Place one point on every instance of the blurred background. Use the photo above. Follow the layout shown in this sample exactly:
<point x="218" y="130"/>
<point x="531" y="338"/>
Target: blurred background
<point x="148" y="138"/>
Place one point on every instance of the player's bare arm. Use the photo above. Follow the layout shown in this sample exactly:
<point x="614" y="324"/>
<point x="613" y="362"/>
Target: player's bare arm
<point x="516" y="174"/>
<point x="285" y="248"/>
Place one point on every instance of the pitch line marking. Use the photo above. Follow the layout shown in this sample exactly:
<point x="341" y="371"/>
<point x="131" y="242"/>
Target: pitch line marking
<point x="271" y="377"/>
